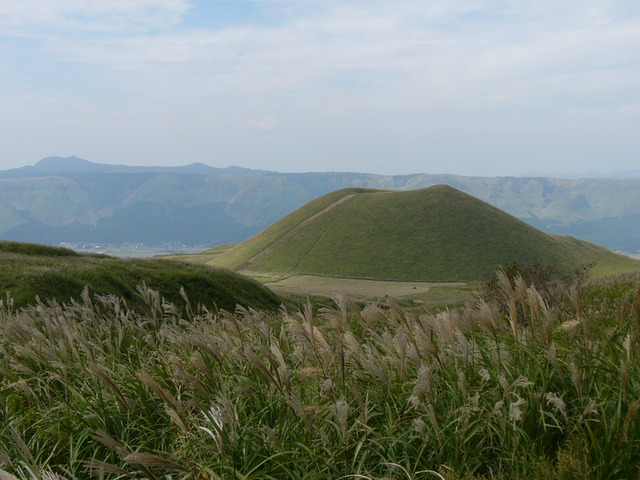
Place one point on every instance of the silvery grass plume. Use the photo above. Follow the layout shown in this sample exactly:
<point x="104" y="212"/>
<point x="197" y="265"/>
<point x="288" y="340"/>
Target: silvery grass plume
<point x="326" y="392"/>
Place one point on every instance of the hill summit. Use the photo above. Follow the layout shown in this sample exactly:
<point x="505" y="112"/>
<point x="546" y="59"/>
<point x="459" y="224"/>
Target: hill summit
<point x="435" y="234"/>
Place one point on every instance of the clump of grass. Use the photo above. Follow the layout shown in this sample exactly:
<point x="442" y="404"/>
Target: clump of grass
<point x="346" y="390"/>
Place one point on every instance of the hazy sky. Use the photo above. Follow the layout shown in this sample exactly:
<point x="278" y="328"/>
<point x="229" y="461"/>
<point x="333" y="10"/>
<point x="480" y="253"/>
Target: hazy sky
<point x="472" y="87"/>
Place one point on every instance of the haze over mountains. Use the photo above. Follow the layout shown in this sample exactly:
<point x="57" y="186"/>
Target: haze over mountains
<point x="74" y="200"/>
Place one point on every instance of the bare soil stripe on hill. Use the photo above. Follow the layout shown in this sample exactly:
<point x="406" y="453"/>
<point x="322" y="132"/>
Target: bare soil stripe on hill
<point x="302" y="224"/>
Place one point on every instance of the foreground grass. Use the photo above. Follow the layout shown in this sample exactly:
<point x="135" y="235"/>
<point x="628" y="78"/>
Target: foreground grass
<point x="514" y="388"/>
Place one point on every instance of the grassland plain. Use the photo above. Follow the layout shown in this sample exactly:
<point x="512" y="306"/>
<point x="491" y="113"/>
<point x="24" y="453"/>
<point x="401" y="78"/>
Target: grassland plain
<point x="30" y="270"/>
<point x="528" y="385"/>
<point x="372" y="289"/>
<point x="437" y="234"/>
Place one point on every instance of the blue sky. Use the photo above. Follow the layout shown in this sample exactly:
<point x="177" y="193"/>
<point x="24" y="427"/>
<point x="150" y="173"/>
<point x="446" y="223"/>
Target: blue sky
<point x="471" y="87"/>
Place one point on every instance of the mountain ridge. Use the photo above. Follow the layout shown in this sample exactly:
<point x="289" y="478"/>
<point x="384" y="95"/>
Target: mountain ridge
<point x="102" y="204"/>
<point x="73" y="164"/>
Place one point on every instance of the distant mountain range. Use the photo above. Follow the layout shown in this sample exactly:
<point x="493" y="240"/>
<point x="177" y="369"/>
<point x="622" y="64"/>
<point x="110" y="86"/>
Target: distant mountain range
<point x="619" y="174"/>
<point x="59" y="165"/>
<point x="73" y="200"/>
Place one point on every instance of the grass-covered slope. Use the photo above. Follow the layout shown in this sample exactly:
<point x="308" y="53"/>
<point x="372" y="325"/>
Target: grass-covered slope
<point x="30" y="270"/>
<point x="244" y="254"/>
<point x="433" y="234"/>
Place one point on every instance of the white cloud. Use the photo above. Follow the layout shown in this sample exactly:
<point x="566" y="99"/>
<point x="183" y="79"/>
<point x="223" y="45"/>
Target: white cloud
<point x="423" y="40"/>
<point x="405" y="70"/>
<point x="268" y="124"/>
<point x="89" y="15"/>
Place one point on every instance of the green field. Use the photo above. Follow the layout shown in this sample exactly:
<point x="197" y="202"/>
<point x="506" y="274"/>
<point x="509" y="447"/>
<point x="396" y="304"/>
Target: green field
<point x="353" y="287"/>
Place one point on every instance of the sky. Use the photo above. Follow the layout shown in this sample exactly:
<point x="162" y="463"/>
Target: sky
<point x="468" y="87"/>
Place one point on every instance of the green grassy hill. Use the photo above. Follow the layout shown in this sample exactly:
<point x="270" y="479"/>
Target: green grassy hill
<point x="433" y="234"/>
<point x="30" y="270"/>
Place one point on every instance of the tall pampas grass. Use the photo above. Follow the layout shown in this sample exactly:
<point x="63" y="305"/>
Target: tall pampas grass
<point x="342" y="390"/>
